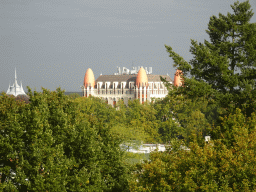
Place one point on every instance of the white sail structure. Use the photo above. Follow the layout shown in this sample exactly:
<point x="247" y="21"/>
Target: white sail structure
<point x="15" y="89"/>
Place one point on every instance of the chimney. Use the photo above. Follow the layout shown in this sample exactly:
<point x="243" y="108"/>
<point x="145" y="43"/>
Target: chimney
<point x="150" y="70"/>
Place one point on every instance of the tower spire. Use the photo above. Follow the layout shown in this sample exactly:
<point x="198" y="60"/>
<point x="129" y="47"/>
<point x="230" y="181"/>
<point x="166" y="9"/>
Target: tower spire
<point x="15" y="89"/>
<point x="15" y="74"/>
<point x="15" y="84"/>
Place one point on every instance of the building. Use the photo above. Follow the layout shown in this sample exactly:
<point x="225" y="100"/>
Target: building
<point x="145" y="148"/>
<point x="138" y="83"/>
<point x="148" y="148"/>
<point x="15" y="89"/>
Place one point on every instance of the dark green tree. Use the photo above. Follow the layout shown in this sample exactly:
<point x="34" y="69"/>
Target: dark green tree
<point x="182" y="116"/>
<point x="169" y="127"/>
<point x="223" y="70"/>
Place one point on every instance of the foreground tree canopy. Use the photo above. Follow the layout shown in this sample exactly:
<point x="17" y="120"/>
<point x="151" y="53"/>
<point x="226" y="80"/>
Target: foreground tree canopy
<point x="58" y="143"/>
<point x="52" y="144"/>
<point x="212" y="167"/>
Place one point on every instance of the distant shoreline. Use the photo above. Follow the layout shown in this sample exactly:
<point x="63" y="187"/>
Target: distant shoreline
<point x="66" y="93"/>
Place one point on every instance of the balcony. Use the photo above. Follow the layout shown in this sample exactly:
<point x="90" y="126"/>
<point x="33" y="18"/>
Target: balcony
<point x="112" y="92"/>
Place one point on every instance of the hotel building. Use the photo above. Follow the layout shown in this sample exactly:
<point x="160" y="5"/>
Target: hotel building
<point x="138" y="83"/>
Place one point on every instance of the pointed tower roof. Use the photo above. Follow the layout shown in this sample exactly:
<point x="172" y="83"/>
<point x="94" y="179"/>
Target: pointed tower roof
<point x="177" y="78"/>
<point x="15" y="89"/>
<point x="15" y="74"/>
<point x="142" y="78"/>
<point x="89" y="79"/>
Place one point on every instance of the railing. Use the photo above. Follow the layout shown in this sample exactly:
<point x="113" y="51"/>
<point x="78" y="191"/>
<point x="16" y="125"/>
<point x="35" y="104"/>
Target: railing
<point x="127" y="91"/>
<point x="114" y="92"/>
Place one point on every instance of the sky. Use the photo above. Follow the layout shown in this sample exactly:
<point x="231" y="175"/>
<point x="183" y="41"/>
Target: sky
<point x="53" y="42"/>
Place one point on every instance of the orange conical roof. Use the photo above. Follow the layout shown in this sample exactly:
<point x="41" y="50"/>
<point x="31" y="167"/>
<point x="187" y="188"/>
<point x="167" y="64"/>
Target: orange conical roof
<point x="142" y="78"/>
<point x="89" y="79"/>
<point x="177" y="78"/>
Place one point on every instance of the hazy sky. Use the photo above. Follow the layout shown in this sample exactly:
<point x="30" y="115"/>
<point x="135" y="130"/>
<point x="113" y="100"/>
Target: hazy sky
<point x="53" y="42"/>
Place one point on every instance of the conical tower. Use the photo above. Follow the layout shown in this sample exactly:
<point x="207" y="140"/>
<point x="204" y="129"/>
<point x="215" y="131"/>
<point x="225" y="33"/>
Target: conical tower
<point x="15" y="89"/>
<point x="178" y="81"/>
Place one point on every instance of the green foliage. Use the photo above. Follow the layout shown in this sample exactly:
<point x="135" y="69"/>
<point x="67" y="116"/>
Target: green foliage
<point x="223" y="70"/>
<point x="212" y="167"/>
<point x="59" y="145"/>
<point x="143" y="116"/>
<point x="74" y="95"/>
<point x="133" y="158"/>
<point x="136" y="122"/>
<point x="168" y="127"/>
<point x="180" y="115"/>
<point x="96" y="110"/>
<point x="227" y="135"/>
<point x="169" y="130"/>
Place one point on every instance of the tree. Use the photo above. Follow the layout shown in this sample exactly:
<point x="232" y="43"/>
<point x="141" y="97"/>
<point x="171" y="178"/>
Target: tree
<point x="30" y="160"/>
<point x="57" y="144"/>
<point x="180" y="115"/>
<point x="135" y="124"/>
<point x="169" y="127"/>
<point x="143" y="116"/>
<point x="211" y="167"/>
<point x="74" y="95"/>
<point x="223" y="70"/>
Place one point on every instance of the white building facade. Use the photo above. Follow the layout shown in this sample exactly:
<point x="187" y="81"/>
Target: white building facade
<point x="137" y="83"/>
